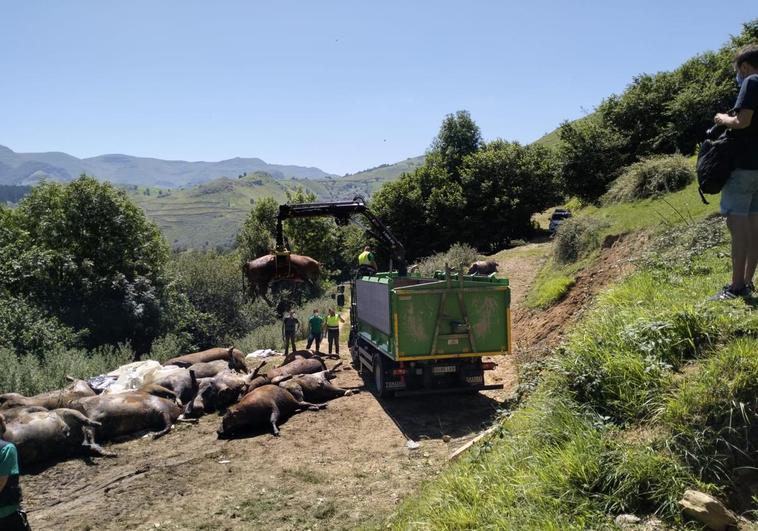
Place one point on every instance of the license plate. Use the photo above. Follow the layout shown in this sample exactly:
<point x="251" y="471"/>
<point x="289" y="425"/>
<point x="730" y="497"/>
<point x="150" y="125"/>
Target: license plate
<point x="474" y="379"/>
<point x="443" y="370"/>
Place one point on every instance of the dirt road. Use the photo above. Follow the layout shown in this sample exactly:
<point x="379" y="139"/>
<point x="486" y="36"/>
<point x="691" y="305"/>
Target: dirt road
<point x="341" y="468"/>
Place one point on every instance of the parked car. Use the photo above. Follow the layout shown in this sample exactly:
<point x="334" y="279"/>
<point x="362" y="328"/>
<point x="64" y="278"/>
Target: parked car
<point x="558" y="216"/>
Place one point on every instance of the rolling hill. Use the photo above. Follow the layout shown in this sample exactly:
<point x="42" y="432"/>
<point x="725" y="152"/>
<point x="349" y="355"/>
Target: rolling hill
<point x="31" y="168"/>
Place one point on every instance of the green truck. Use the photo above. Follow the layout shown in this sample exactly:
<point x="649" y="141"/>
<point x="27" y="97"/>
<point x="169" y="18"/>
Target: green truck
<point x="415" y="335"/>
<point x="419" y="335"/>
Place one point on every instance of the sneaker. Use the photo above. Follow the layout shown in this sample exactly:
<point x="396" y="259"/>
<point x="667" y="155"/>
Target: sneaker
<point x="727" y="293"/>
<point x="750" y="288"/>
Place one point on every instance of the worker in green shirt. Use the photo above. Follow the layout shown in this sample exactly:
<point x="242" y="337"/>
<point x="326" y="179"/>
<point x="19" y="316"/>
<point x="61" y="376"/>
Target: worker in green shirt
<point x="315" y="326"/>
<point x="12" y="518"/>
<point x="366" y="262"/>
<point x="333" y="321"/>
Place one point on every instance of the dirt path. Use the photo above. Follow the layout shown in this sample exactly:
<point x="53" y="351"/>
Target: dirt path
<point x="341" y="468"/>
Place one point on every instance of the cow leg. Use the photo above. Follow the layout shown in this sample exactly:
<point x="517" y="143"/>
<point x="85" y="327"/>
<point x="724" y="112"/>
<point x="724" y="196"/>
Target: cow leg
<point x="274" y="419"/>
<point x="167" y="423"/>
<point x="335" y="391"/>
<point x="309" y="406"/>
<point x="90" y="444"/>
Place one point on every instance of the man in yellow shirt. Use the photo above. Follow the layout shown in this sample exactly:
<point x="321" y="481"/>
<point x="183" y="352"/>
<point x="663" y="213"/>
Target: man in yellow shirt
<point x="333" y="321"/>
<point x="366" y="262"/>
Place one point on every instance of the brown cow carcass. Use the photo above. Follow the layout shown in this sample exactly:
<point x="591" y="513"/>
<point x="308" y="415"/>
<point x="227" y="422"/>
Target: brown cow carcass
<point x="261" y="272"/>
<point x="50" y="400"/>
<point x="315" y="387"/>
<point x="131" y="412"/>
<point x="42" y="436"/>
<point x="264" y="406"/>
<point x="483" y="267"/>
<point x="234" y="357"/>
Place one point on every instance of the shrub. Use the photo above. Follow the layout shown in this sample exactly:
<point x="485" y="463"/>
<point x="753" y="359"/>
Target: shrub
<point x="651" y="177"/>
<point x="575" y="238"/>
<point x="29" y="375"/>
<point x="26" y="329"/>
<point x="459" y="255"/>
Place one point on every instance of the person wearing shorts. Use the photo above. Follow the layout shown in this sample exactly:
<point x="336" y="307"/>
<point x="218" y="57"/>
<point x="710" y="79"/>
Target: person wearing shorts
<point x="739" y="197"/>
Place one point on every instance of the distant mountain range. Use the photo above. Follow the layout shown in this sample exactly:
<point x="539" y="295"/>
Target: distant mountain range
<point x="31" y="168"/>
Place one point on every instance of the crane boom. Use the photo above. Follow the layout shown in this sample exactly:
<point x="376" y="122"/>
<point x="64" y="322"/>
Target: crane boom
<point x="342" y="211"/>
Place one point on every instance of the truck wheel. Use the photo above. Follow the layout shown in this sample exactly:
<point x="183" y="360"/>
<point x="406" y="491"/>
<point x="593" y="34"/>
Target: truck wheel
<point x="379" y="379"/>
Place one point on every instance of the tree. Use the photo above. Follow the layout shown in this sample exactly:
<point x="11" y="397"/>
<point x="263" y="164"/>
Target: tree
<point x="592" y="156"/>
<point x="257" y="236"/>
<point x="504" y="184"/>
<point x="100" y="262"/>
<point x="458" y="136"/>
<point x="314" y="237"/>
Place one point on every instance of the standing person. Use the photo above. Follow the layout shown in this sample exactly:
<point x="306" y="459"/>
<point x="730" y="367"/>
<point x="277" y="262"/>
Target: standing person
<point x="315" y="326"/>
<point x="739" y="197"/>
<point x="290" y="328"/>
<point x="12" y="518"/>
<point x="333" y="321"/>
<point x="366" y="262"/>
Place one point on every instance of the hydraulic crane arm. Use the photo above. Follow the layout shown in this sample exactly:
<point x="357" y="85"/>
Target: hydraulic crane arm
<point x="342" y="211"/>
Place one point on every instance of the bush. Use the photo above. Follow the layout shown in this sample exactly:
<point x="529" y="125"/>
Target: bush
<point x="651" y="177"/>
<point x="30" y="375"/>
<point x="575" y="238"/>
<point x="26" y="329"/>
<point x="459" y="255"/>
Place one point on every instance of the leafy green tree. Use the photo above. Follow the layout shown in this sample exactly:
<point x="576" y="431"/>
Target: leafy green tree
<point x="504" y="184"/>
<point x="592" y="156"/>
<point x="458" y="137"/>
<point x="100" y="260"/>
<point x="257" y="236"/>
<point x="314" y="237"/>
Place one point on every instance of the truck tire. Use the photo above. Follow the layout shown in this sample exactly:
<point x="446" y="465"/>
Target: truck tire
<point x="379" y="379"/>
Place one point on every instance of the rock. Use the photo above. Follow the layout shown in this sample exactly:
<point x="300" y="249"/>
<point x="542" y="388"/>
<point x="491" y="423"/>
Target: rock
<point x="446" y="438"/>
<point x="708" y="510"/>
<point x="625" y="521"/>
<point x="412" y="445"/>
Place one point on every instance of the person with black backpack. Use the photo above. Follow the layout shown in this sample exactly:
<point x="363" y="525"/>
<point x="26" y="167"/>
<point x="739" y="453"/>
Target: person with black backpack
<point x="12" y="518"/>
<point x="739" y="196"/>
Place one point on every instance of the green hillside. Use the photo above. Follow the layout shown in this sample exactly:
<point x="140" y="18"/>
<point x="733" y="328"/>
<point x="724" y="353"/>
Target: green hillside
<point x="209" y="215"/>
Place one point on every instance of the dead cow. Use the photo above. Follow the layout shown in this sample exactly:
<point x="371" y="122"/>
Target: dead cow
<point x="314" y="387"/>
<point x="263" y="271"/>
<point x="131" y="412"/>
<point x="50" y="400"/>
<point x="261" y="407"/>
<point x="235" y="358"/>
<point x="50" y="435"/>
<point x="298" y="366"/>
<point x="209" y="369"/>
<point x="483" y="267"/>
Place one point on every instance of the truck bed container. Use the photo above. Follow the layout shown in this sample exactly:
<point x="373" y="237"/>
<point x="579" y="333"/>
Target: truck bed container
<point x="429" y="334"/>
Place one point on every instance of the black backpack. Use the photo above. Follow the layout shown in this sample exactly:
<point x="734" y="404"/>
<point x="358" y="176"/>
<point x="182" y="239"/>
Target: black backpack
<point x="715" y="161"/>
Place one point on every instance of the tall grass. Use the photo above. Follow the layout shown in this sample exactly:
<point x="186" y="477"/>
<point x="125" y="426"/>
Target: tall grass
<point x="654" y="392"/>
<point x="28" y="374"/>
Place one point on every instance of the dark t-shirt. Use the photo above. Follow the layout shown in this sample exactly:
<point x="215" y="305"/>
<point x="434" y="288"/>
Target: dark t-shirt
<point x="290" y="324"/>
<point x="747" y="156"/>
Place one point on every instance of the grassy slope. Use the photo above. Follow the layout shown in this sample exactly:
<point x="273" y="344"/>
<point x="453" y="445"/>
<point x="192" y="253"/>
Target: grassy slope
<point x="210" y="214"/>
<point x="653" y="392"/>
<point x="207" y="215"/>
<point x="672" y="210"/>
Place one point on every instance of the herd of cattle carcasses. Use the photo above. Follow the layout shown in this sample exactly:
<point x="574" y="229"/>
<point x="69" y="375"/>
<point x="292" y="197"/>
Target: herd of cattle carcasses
<point x="74" y="420"/>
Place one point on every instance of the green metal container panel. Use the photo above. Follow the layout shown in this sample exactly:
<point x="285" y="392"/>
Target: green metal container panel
<point x="443" y="317"/>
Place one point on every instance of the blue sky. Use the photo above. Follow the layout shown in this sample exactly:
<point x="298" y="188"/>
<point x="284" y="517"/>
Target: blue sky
<point x="342" y="85"/>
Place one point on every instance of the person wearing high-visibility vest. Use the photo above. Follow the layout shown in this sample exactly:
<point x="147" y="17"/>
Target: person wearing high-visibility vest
<point x="367" y="262"/>
<point x="333" y="321"/>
